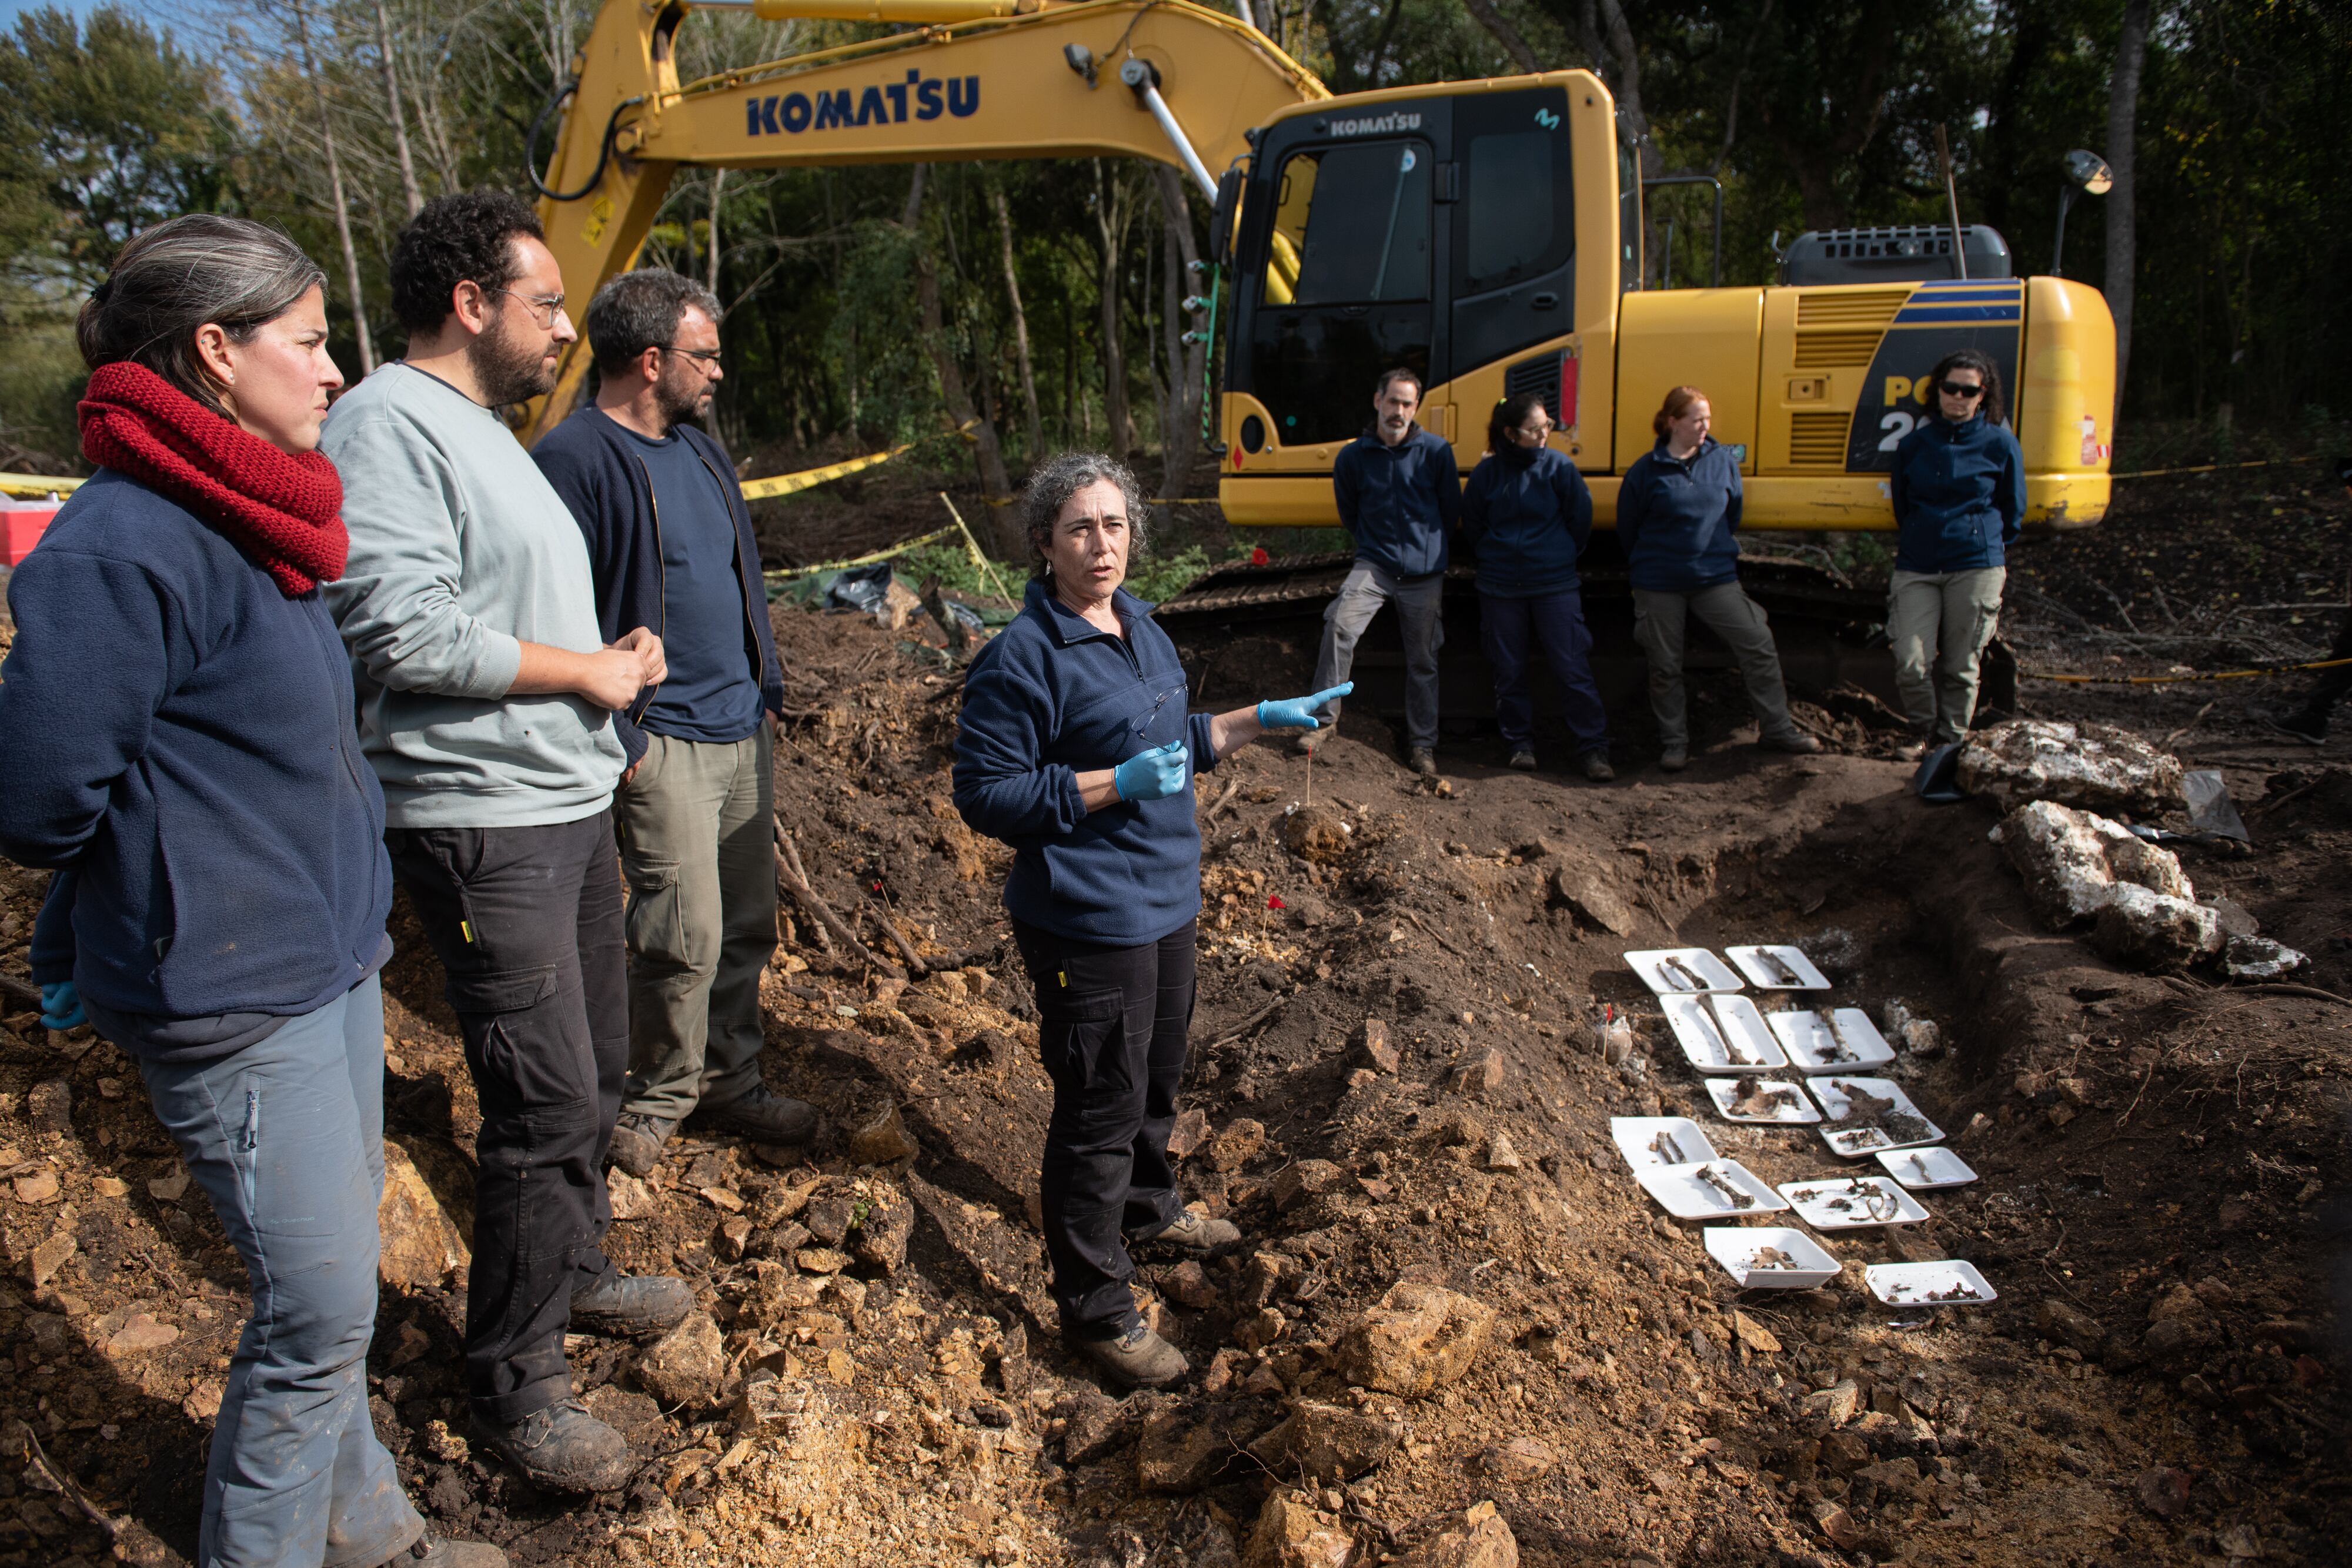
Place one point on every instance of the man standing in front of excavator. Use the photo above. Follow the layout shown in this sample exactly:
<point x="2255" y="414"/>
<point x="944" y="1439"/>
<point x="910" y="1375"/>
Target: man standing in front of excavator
<point x="670" y="544"/>
<point x="1399" y="492"/>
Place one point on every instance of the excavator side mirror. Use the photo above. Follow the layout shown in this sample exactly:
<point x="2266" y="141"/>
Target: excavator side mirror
<point x="2089" y="172"/>
<point x="1220" y="216"/>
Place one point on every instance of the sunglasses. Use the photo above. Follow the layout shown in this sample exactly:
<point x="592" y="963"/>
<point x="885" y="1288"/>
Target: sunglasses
<point x="1959" y="389"/>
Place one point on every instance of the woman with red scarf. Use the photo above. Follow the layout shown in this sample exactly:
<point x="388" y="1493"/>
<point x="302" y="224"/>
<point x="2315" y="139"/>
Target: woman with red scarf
<point x="176" y="740"/>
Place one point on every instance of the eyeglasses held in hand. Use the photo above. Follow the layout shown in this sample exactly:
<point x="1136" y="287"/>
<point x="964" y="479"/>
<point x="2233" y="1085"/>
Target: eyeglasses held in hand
<point x="1142" y="726"/>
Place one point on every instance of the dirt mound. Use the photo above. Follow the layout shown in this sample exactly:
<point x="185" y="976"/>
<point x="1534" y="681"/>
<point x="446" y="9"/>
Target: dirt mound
<point x="1451" y="1294"/>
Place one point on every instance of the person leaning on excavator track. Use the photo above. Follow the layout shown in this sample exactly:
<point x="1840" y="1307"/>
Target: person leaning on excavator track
<point x="176" y="738"/>
<point x="1078" y="749"/>
<point x="486" y="694"/>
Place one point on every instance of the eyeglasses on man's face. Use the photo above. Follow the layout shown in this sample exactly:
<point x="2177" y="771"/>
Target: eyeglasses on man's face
<point x="543" y="307"/>
<point x="704" y="359"/>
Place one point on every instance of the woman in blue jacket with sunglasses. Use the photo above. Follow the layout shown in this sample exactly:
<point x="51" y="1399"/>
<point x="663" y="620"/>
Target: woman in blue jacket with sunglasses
<point x="1959" y="489"/>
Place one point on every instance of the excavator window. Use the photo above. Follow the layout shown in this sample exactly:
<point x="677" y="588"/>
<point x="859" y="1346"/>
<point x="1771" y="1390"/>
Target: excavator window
<point x="1351" y="225"/>
<point x="1510" y="220"/>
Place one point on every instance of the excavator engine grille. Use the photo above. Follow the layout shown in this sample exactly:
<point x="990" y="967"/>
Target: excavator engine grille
<point x="1818" y="440"/>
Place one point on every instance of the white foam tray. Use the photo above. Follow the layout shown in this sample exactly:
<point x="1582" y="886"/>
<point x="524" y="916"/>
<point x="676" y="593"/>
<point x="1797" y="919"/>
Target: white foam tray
<point x="1736" y="1246"/>
<point x="1913" y="1284"/>
<point x="1752" y="963"/>
<point x="1844" y="1202"/>
<point x="1704" y="1031"/>
<point x="1935" y="1167"/>
<point x="1852" y="1143"/>
<point x="1648" y="963"/>
<point x="1685" y="1193"/>
<point x="1634" y="1135"/>
<point x="1806" y="1040"/>
<point x="1795" y="1112"/>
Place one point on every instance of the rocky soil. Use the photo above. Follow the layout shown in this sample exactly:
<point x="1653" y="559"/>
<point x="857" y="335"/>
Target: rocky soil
<point x="1457" y="1331"/>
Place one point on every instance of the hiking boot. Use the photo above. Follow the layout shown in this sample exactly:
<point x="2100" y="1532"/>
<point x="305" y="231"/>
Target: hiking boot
<point x="1674" y="760"/>
<point x="1796" y="743"/>
<point x="1306" y="741"/>
<point x="1195" y="1233"/>
<point x="1138" y="1358"/>
<point x="761" y="1116"/>
<point x="1911" y="751"/>
<point x="1523" y="760"/>
<point x="1421" y="760"/>
<point x="621" y="1306"/>
<point x="2298" y="725"/>
<point x="432" y="1552"/>
<point x="637" y="1144"/>
<point x="1597" y="769"/>
<point x="561" y="1446"/>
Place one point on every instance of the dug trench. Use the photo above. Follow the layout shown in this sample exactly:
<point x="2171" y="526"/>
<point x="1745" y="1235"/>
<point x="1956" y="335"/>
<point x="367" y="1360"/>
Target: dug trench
<point x="1456" y="1323"/>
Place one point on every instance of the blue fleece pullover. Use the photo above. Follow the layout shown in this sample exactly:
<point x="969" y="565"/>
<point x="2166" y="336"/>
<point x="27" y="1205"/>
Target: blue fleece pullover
<point x="176" y="736"/>
<point x="1960" y="495"/>
<point x="1676" y="517"/>
<point x="1527" y="515"/>
<point x="1399" y="501"/>
<point x="1050" y="697"/>
<point x="588" y="461"/>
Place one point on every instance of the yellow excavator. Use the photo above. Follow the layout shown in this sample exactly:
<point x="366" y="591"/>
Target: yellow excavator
<point x="1487" y="235"/>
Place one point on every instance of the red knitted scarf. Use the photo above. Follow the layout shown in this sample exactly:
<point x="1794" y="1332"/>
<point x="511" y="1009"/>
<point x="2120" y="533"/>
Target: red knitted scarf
<point x="283" y="509"/>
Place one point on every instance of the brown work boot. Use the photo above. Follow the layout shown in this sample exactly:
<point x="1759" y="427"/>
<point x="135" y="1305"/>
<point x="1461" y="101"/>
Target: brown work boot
<point x="623" y="1305"/>
<point x="1138" y="1358"/>
<point x="762" y="1116"/>
<point x="1306" y="742"/>
<point x="637" y="1144"/>
<point x="432" y="1552"/>
<point x="1674" y="760"/>
<point x="1195" y="1233"/>
<point x="1421" y="760"/>
<point x="1796" y="743"/>
<point x="1596" y="766"/>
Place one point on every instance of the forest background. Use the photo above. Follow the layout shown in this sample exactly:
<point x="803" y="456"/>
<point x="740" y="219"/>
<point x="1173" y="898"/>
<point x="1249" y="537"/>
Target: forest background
<point x="869" y="306"/>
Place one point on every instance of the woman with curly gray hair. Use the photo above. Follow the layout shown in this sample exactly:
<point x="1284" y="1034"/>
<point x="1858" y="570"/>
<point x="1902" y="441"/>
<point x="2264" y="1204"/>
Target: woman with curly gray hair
<point x="1078" y="749"/>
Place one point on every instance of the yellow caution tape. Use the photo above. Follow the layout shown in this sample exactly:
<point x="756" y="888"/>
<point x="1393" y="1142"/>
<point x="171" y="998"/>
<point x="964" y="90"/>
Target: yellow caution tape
<point x="866" y="559"/>
<point x="2212" y="467"/>
<point x="809" y="479"/>
<point x="37" y="486"/>
<point x="2175" y="680"/>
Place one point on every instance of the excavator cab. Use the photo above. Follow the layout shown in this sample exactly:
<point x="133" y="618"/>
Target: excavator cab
<point x="1419" y="235"/>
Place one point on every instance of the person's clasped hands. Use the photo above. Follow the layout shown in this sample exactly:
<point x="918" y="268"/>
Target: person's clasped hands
<point x="1298" y="712"/>
<point x="1152" y="775"/>
<point x="61" y="1005"/>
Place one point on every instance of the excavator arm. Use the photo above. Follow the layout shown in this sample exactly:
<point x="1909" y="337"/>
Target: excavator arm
<point x="1162" y="79"/>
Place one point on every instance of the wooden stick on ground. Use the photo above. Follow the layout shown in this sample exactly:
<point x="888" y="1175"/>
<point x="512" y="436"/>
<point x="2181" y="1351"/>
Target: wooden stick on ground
<point x="790" y="884"/>
<point x="898" y="938"/>
<point x="22" y="991"/>
<point x="797" y="880"/>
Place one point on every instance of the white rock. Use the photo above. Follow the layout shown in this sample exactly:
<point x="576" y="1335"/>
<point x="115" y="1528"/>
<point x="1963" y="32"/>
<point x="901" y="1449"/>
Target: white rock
<point x="2071" y="860"/>
<point x="2092" y="766"/>
<point x="2154" y="929"/>
<point x="2260" y="958"/>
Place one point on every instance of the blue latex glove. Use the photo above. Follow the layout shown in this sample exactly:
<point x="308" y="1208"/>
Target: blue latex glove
<point x="1298" y="712"/>
<point x="1154" y="774"/>
<point x="61" y="1005"/>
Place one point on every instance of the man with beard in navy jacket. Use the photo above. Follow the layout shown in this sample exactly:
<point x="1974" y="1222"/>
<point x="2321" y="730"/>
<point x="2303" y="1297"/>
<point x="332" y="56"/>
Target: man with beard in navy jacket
<point x="1398" y="493"/>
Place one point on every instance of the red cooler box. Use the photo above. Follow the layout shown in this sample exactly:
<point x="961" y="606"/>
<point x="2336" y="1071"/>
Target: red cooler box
<point x="21" y="526"/>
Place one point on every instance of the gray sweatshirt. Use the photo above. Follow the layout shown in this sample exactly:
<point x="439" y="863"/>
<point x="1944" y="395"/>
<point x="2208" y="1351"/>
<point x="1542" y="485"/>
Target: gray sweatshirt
<point x="460" y="553"/>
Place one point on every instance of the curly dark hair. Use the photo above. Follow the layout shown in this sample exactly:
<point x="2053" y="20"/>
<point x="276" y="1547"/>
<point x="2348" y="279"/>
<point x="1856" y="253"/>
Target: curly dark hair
<point x="465" y="237"/>
<point x="1508" y="415"/>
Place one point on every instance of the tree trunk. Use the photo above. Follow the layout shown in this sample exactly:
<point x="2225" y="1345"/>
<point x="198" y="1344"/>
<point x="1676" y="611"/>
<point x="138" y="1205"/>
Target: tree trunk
<point x="1003" y="526"/>
<point x="1036" y="430"/>
<point x="408" y="187"/>
<point x="1498" y="28"/>
<point x="335" y="195"/>
<point x="718" y="184"/>
<point x="1110" y="224"/>
<point x="2123" y="233"/>
<point x="1180" y="430"/>
<point x="1629" y="87"/>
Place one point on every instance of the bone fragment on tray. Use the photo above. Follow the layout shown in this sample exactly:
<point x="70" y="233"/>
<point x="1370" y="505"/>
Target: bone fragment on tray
<point x="1676" y="972"/>
<point x="1722" y="1034"/>
<point x="1779" y="967"/>
<point x="1841" y="1049"/>
<point x="1713" y="1178"/>
<point x="1751" y="1096"/>
<point x="1667" y="1149"/>
<point x="1771" y="1257"/>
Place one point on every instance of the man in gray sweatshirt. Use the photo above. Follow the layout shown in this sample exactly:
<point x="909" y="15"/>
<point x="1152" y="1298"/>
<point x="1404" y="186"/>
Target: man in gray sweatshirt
<point x="486" y="696"/>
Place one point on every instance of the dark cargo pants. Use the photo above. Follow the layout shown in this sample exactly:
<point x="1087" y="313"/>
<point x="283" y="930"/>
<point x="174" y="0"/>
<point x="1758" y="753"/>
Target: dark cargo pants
<point x="1112" y="1026"/>
<point x="527" y="923"/>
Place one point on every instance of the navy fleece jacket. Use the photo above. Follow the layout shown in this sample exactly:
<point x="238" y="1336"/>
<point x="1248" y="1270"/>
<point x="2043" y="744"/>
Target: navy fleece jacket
<point x="177" y="737"/>
<point x="588" y="462"/>
<point x="1050" y="697"/>
<point x="1676" y="517"/>
<point x="1528" y="516"/>
<point x="1399" y="501"/>
<point x="1960" y="495"/>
